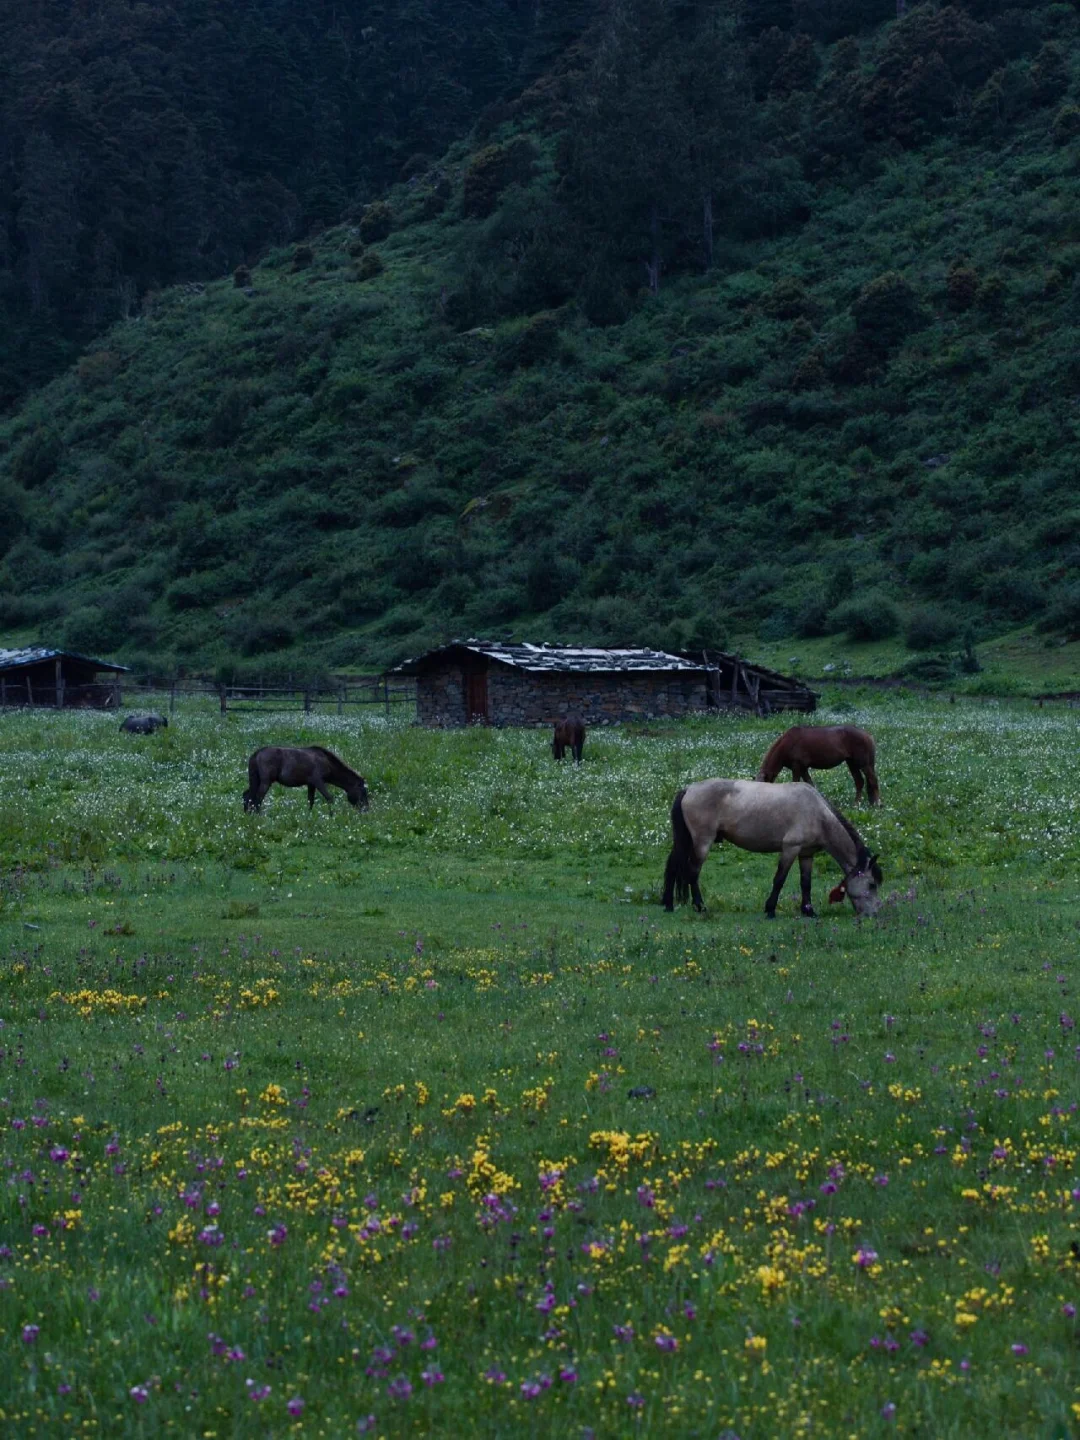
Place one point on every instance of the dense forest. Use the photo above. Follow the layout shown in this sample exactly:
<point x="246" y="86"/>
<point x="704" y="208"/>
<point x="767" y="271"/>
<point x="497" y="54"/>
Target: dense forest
<point x="145" y="143"/>
<point x="663" y="322"/>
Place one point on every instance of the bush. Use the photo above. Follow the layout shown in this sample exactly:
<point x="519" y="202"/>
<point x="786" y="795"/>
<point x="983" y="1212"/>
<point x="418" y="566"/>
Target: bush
<point x="930" y="629"/>
<point x="369" y="265"/>
<point x="37" y="458"/>
<point x="376" y="222"/>
<point x="303" y="256"/>
<point x="887" y="311"/>
<point x="492" y="170"/>
<point x="866" y="617"/>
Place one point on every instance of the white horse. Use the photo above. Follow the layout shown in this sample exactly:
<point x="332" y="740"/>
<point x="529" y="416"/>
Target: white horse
<point x="795" y="821"/>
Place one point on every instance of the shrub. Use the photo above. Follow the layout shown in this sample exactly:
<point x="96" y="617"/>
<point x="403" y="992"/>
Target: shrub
<point x="866" y="617"/>
<point x="962" y="286"/>
<point x="492" y="170"/>
<point x="1066" y="124"/>
<point x="887" y="310"/>
<point x="303" y="256"/>
<point x="376" y="222"/>
<point x="38" y="457"/>
<point x="929" y="629"/>
<point x="369" y="265"/>
<point x="241" y="277"/>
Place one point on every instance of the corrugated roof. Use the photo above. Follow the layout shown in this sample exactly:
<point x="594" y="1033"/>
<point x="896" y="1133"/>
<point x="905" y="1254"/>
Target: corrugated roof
<point x="35" y="654"/>
<point x="536" y="658"/>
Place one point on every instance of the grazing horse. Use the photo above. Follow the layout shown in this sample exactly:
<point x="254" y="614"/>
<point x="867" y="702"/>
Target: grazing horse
<point x="824" y="746"/>
<point x="311" y="766"/>
<point x="794" y="820"/>
<point x="143" y="724"/>
<point x="570" y="731"/>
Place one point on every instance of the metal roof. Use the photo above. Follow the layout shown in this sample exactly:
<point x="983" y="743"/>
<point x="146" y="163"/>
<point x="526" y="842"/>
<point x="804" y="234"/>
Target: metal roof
<point x="539" y="658"/>
<point x="37" y="654"/>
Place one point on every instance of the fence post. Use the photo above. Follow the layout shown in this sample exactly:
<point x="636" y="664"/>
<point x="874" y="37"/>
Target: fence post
<point x="221" y="694"/>
<point x="386" y="695"/>
<point x="341" y="699"/>
<point x="29" y="692"/>
<point x="3" y="693"/>
<point x="307" y="701"/>
<point x="59" y="685"/>
<point x="172" y="698"/>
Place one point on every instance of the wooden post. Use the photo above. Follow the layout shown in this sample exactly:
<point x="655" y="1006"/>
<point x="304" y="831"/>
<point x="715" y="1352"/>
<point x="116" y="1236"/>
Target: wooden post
<point x="307" y="701"/>
<point x="59" y="685"/>
<point x="221" y="694"/>
<point x="29" y="691"/>
<point x="3" y="692"/>
<point x="341" y="699"/>
<point x="386" y="694"/>
<point x="172" y="697"/>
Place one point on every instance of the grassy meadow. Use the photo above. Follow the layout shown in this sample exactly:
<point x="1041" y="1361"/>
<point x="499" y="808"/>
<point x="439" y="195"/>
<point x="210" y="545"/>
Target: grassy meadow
<point x="430" y="1121"/>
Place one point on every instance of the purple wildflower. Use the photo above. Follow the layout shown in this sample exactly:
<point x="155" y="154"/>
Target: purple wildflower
<point x="30" y="1334"/>
<point x="139" y="1394"/>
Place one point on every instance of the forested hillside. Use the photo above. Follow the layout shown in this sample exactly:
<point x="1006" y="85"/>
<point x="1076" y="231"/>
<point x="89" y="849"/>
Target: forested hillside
<point x="718" y="320"/>
<point x="142" y="144"/>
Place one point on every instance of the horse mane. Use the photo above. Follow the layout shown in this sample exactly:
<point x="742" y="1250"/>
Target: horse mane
<point x="335" y="760"/>
<point x="772" y="751"/>
<point x="855" y="837"/>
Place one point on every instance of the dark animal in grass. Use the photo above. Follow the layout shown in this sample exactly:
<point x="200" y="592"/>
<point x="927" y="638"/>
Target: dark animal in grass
<point x="795" y="821"/>
<point x="821" y="747"/>
<point x="569" y="733"/>
<point x="311" y="766"/>
<point x="143" y="724"/>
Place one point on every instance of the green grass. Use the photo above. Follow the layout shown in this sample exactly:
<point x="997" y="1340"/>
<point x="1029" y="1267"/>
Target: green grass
<point x="819" y="1168"/>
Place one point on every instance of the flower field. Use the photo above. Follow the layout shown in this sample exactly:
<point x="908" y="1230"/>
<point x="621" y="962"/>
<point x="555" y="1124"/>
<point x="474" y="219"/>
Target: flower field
<point x="430" y="1121"/>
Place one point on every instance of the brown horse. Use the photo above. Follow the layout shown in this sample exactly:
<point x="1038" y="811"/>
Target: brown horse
<point x="824" y="746"/>
<point x="311" y="766"/>
<point x="570" y="731"/>
<point x="794" y="820"/>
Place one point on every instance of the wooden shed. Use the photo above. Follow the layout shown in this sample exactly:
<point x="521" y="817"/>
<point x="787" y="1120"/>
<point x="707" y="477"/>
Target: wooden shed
<point x="486" y="682"/>
<point x="40" y="675"/>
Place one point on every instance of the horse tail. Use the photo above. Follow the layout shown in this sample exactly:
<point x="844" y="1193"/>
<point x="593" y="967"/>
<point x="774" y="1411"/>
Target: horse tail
<point x="253" y="782"/>
<point x="678" y="873"/>
<point x="774" y="761"/>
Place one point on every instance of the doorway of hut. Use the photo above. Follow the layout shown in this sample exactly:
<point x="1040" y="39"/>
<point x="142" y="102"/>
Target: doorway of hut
<point x="476" y="697"/>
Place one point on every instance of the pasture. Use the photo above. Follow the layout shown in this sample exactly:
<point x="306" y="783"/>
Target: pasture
<point x="428" y="1120"/>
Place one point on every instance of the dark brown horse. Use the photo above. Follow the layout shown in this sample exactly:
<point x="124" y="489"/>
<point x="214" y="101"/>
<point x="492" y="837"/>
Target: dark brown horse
<point x="569" y="732"/>
<point x="794" y="821"/>
<point x="311" y="766"/>
<point x="823" y="746"/>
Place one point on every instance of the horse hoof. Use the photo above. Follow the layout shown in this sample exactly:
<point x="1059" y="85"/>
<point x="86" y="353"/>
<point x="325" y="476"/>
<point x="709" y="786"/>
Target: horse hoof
<point x="770" y="914"/>
<point x="670" y="909"/>
<point x="809" y="912"/>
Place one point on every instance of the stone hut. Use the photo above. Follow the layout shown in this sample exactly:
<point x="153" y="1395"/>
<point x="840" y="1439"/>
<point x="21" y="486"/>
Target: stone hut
<point x="40" y="675"/>
<point x="485" y="682"/>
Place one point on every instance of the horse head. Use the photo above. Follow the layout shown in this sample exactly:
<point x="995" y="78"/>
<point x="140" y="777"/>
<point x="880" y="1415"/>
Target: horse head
<point x="860" y="885"/>
<point x="356" y="792"/>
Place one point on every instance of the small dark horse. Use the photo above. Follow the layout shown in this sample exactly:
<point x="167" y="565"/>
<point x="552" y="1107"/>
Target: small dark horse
<point x="795" y="821"/>
<point x="570" y="731"/>
<point x="311" y="766"/>
<point x="143" y="724"/>
<point x="824" y="746"/>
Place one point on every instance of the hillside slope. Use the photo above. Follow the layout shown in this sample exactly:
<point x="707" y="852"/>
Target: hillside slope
<point x="863" y="418"/>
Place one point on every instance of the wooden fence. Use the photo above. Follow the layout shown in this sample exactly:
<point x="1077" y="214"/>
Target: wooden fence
<point x="371" y="692"/>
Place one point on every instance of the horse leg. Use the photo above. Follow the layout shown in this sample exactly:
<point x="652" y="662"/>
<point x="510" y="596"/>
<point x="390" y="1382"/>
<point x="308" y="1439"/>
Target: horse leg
<point x="857" y="776"/>
<point x="806" y="875"/>
<point x="320" y="785"/>
<point x="801" y="772"/>
<point x="787" y="859"/>
<point x="311" y="797"/>
<point x="577" y="751"/>
<point x="873" y="791"/>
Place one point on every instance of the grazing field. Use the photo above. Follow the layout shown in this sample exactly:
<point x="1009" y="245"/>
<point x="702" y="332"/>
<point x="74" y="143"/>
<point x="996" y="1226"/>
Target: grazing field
<point x="429" y="1120"/>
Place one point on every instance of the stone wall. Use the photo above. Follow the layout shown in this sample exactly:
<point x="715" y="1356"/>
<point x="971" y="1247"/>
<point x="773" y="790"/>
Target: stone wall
<point x="518" y="697"/>
<point x="440" y="697"/>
